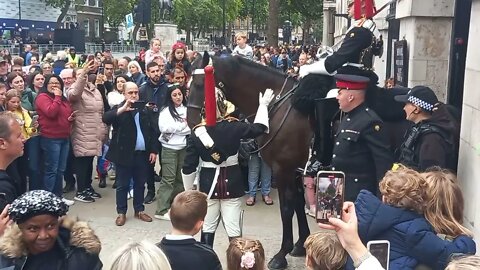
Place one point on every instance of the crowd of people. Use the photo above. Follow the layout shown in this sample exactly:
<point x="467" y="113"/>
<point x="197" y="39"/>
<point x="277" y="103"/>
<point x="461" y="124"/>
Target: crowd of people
<point x="64" y="112"/>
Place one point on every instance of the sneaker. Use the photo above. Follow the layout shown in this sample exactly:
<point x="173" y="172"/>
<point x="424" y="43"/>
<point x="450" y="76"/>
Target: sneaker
<point x="93" y="193"/>
<point x="149" y="198"/>
<point x="84" y="197"/>
<point x="68" y="202"/>
<point x="130" y="194"/>
<point x="165" y="216"/>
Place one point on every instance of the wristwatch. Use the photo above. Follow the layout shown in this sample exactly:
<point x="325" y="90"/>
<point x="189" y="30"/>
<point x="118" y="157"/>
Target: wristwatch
<point x="360" y="260"/>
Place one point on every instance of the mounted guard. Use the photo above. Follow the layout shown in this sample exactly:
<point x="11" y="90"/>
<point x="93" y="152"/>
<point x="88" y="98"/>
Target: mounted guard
<point x="216" y="143"/>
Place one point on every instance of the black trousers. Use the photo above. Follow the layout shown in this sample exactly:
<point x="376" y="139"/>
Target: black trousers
<point x="83" y="167"/>
<point x="69" y="171"/>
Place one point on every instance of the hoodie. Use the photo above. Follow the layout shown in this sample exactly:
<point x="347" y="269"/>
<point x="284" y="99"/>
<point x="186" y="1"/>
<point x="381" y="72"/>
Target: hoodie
<point x="77" y="248"/>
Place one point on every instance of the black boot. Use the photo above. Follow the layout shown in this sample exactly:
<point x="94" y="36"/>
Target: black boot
<point x="207" y="238"/>
<point x="231" y="238"/>
<point x="114" y="184"/>
<point x="103" y="182"/>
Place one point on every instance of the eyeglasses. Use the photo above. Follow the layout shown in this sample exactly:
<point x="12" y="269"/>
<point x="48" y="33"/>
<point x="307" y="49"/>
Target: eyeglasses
<point x="47" y="67"/>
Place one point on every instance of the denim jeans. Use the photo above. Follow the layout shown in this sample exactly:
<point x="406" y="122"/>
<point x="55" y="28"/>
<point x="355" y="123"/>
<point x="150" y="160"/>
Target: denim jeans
<point x="56" y="153"/>
<point x="138" y="170"/>
<point x="172" y="183"/>
<point x="259" y="170"/>
<point x="34" y="168"/>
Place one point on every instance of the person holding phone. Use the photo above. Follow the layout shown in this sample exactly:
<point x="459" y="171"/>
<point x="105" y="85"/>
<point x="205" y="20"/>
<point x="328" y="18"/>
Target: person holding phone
<point x="346" y="229"/>
<point x="133" y="149"/>
<point x="88" y="131"/>
<point x="55" y="118"/>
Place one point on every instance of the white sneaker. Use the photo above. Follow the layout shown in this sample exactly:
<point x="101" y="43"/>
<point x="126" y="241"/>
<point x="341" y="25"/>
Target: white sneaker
<point x="68" y="202"/>
<point x="165" y="216"/>
<point x="130" y="194"/>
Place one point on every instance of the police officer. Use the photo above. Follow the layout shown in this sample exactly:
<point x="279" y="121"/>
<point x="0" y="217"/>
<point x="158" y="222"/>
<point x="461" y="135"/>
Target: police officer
<point x="220" y="176"/>
<point x="432" y="140"/>
<point x="355" y="55"/>
<point x="361" y="149"/>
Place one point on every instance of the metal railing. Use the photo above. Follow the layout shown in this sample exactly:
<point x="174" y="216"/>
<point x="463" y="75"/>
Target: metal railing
<point x="90" y="48"/>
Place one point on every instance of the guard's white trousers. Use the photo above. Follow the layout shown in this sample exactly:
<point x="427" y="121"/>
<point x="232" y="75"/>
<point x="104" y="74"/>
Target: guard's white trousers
<point x="229" y="210"/>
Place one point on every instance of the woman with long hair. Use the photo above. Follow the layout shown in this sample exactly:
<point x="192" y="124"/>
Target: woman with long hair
<point x="116" y="96"/>
<point x="172" y="123"/>
<point x="15" y="81"/>
<point x="55" y="118"/>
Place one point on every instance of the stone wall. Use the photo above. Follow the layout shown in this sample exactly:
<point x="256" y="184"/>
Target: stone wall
<point x="427" y="27"/>
<point x="469" y="156"/>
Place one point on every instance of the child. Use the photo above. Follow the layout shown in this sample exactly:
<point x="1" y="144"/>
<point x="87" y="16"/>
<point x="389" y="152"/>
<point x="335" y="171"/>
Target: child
<point x="465" y="263"/>
<point x="245" y="254"/>
<point x="178" y="57"/>
<point x="13" y="104"/>
<point x="324" y="251"/>
<point x="444" y="209"/>
<point x="399" y="219"/>
<point x="155" y="45"/>
<point x="242" y="47"/>
<point x="187" y="213"/>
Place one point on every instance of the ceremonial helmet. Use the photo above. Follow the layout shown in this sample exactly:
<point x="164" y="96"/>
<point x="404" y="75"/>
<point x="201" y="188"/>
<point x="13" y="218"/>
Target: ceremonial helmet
<point x="363" y="8"/>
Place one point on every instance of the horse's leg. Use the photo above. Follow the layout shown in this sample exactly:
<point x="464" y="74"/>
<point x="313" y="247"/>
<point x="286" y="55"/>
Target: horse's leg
<point x="286" y="194"/>
<point x="303" y="230"/>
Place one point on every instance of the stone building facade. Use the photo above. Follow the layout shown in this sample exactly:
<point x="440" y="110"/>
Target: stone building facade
<point x="90" y="19"/>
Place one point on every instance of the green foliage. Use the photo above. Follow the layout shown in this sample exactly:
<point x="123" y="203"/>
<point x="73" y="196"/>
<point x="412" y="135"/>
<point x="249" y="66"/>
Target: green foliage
<point x="116" y="10"/>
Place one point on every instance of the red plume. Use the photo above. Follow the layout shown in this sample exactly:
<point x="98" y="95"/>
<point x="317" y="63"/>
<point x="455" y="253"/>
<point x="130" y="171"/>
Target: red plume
<point x="210" y="99"/>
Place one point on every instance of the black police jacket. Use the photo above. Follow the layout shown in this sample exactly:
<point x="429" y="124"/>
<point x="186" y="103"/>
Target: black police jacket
<point x="361" y="151"/>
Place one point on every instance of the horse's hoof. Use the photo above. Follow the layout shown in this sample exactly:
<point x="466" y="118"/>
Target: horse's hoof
<point x="277" y="263"/>
<point x="298" y="251"/>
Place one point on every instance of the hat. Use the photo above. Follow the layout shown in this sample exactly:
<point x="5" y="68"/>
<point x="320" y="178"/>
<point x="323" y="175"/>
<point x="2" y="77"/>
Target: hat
<point x="178" y="45"/>
<point x="421" y="96"/>
<point x="34" y="203"/>
<point x="351" y="82"/>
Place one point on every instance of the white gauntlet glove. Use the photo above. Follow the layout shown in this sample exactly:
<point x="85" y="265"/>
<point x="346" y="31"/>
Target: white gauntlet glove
<point x="315" y="68"/>
<point x="262" y="113"/>
<point x="188" y="180"/>
<point x="202" y="134"/>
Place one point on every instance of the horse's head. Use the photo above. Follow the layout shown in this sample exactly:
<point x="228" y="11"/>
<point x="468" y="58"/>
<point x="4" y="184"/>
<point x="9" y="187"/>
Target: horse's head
<point x="196" y="96"/>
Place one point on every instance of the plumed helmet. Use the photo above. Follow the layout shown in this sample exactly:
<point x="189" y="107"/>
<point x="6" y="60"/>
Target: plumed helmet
<point x="363" y="8"/>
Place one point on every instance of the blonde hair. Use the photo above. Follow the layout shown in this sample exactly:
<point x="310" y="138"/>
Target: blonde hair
<point x="471" y="262"/>
<point x="444" y="203"/>
<point x="12" y="93"/>
<point x="140" y="256"/>
<point x="239" y="252"/>
<point x="404" y="188"/>
<point x="324" y="251"/>
<point x="241" y="34"/>
<point x="134" y="63"/>
<point x="61" y="55"/>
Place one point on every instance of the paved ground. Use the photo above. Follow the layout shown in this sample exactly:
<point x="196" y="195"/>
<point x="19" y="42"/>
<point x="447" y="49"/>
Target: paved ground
<point x="261" y="222"/>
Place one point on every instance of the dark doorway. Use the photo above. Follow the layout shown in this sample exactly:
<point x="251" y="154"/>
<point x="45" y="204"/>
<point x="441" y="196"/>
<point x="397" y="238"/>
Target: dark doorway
<point x="458" y="55"/>
<point x="393" y="35"/>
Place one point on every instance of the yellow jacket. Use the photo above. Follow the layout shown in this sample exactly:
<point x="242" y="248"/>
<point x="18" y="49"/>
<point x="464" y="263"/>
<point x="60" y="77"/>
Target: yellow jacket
<point x="27" y="129"/>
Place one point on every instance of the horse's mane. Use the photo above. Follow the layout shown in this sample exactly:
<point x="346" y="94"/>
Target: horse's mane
<point x="238" y="61"/>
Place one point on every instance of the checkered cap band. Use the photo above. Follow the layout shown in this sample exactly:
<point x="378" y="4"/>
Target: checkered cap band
<point x="420" y="103"/>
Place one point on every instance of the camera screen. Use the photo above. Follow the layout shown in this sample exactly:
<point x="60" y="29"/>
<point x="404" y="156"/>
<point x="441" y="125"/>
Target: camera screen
<point x="380" y="251"/>
<point x="330" y="190"/>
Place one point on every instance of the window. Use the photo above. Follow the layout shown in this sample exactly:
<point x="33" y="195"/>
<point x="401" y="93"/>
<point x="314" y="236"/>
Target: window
<point x="96" y="26"/>
<point x="97" y="3"/>
<point x="91" y="3"/>
<point x="86" y="2"/>
<point x="86" y="27"/>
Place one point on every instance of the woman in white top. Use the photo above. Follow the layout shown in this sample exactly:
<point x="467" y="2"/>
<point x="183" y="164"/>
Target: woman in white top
<point x="174" y="130"/>
<point x="116" y="97"/>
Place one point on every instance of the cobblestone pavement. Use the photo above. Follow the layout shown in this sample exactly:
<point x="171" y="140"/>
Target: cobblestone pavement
<point x="261" y="222"/>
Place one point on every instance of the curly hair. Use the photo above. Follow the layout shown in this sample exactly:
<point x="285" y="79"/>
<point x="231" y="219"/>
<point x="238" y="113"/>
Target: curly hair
<point x="444" y="202"/>
<point x="238" y="248"/>
<point x="404" y="188"/>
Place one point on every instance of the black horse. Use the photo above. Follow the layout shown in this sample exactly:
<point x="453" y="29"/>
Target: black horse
<point x="286" y="147"/>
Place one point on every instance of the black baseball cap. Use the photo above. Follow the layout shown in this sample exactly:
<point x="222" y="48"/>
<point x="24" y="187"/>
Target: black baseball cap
<point x="421" y="96"/>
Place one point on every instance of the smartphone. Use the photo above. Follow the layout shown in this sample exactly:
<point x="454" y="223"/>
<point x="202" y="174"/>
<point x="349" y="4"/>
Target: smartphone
<point x="34" y="120"/>
<point x="380" y="249"/>
<point x="330" y="195"/>
<point x="101" y="70"/>
<point x="139" y="105"/>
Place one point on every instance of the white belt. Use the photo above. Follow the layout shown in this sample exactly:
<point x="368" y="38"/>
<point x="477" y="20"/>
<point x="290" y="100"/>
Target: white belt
<point x="231" y="160"/>
<point x="354" y="65"/>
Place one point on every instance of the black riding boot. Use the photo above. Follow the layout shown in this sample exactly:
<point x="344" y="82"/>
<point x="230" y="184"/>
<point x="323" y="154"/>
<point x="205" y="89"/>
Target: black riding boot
<point x="207" y="238"/>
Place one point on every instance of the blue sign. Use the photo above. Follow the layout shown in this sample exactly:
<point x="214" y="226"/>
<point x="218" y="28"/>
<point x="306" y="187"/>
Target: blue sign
<point x="129" y="20"/>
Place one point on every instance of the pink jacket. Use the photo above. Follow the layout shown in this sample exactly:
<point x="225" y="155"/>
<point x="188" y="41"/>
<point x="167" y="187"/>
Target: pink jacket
<point x="88" y="131"/>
